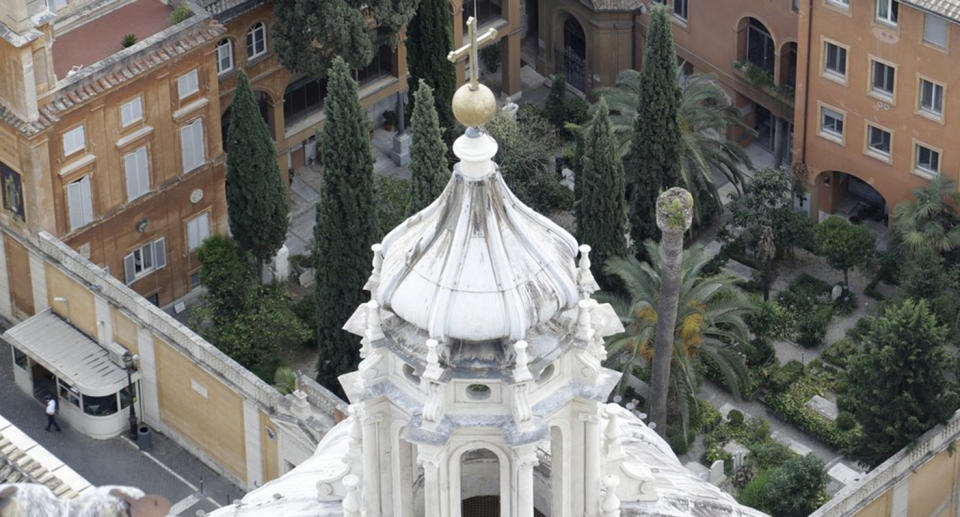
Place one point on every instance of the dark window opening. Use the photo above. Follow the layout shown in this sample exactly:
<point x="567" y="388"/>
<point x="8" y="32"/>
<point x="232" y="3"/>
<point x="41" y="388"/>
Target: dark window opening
<point x="303" y="98"/>
<point x="381" y="66"/>
<point x="486" y="10"/>
<point x="760" y="46"/>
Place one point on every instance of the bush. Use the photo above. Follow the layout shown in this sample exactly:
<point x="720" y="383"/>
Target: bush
<point x="796" y="488"/>
<point x="735" y="417"/>
<point x="812" y="326"/>
<point x="490" y="56"/>
<point x="708" y="418"/>
<point x="128" y="40"/>
<point x="179" y="14"/>
<point x="839" y="352"/>
<point x="758" y="352"/>
<point x="677" y="440"/>
<point x="846" y="304"/>
<point x="393" y="198"/>
<point x="790" y="405"/>
<point x="785" y="376"/>
<point x="753" y="494"/>
<point x="845" y="421"/>
<point x="769" y="454"/>
<point x="770" y="320"/>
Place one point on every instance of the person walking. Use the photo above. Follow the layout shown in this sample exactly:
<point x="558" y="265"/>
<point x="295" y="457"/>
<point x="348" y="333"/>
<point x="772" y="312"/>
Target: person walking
<point x="52" y="413"/>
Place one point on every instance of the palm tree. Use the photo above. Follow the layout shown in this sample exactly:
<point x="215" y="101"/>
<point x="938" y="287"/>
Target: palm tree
<point x="931" y="218"/>
<point x="709" y="320"/>
<point x="705" y="114"/>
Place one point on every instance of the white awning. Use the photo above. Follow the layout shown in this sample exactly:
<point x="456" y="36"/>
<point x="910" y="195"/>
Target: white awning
<point x="67" y="353"/>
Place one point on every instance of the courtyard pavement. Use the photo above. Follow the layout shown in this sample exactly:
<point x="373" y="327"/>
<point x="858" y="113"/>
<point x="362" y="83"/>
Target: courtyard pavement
<point x="167" y="469"/>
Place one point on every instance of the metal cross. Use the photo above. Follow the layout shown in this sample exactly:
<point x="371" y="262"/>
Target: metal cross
<point x="471" y="49"/>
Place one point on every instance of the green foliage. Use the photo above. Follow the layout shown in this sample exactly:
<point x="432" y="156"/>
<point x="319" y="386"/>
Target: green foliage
<point x="346" y="225"/>
<point x="790" y="405"/>
<point x="844" y="245"/>
<point x="555" y="108"/>
<point x="428" y="163"/>
<point x="256" y="195"/>
<point x="845" y="421"/>
<point x="767" y="200"/>
<point x="602" y="213"/>
<point x="812" y="326"/>
<point x="839" y="352"/>
<point x="735" y="417"/>
<point x="679" y="442"/>
<point x="248" y="323"/>
<point x="309" y="34"/>
<point x="490" y="56"/>
<point x="929" y="277"/>
<point x="769" y="453"/>
<point x="845" y="304"/>
<point x="526" y="149"/>
<point x="786" y="375"/>
<point x="771" y="320"/>
<point x="896" y="387"/>
<point x="930" y="218"/>
<point x="652" y="164"/>
<point x="285" y="380"/>
<point x="796" y="488"/>
<point x="128" y="40"/>
<point x="429" y="40"/>
<point x="182" y="12"/>
<point x="753" y="494"/>
<point x="393" y="199"/>
<point x="807" y="299"/>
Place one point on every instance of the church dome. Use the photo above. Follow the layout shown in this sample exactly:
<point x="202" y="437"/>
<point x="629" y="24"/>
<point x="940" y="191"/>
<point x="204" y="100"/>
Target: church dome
<point x="477" y="264"/>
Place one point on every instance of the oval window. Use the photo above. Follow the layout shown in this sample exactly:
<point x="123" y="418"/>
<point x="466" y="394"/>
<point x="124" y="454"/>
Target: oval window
<point x="410" y="374"/>
<point x="478" y="391"/>
<point x="546" y="374"/>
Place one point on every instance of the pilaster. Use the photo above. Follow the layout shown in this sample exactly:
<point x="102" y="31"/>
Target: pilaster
<point x="371" y="462"/>
<point x="148" y="376"/>
<point x="104" y="321"/>
<point x="6" y="304"/>
<point x="251" y="439"/>
<point x="38" y="279"/>
<point x="591" y="464"/>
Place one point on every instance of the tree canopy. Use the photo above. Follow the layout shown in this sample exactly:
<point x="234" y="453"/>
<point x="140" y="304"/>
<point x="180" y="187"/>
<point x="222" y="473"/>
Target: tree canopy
<point x="844" y="245"/>
<point x="429" y="172"/>
<point x="429" y="40"/>
<point x="346" y="224"/>
<point x="256" y="196"/>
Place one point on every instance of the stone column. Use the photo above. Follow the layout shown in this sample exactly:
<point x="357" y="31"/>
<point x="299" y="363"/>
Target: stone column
<point x="591" y="464"/>
<point x="38" y="279"/>
<point x="524" y="484"/>
<point x="432" y="489"/>
<point x="6" y="301"/>
<point x="510" y="66"/>
<point x="371" y="463"/>
<point x="251" y="442"/>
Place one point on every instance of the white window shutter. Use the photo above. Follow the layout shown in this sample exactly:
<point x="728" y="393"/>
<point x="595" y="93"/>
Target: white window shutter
<point x="130" y="167"/>
<point x="159" y="253"/>
<point x="203" y="224"/>
<point x="74" y="205"/>
<point x="129" y="273"/>
<point x="198" y="141"/>
<point x="87" y="200"/>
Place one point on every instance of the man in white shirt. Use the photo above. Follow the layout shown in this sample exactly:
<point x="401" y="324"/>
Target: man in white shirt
<point x="52" y="413"/>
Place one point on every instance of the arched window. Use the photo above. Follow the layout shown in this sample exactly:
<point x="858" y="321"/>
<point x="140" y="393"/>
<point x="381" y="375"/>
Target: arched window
<point x="256" y="41"/>
<point x="224" y="56"/>
<point x="760" y="46"/>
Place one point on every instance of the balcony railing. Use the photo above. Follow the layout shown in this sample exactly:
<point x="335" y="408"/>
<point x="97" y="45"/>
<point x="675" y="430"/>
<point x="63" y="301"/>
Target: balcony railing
<point x="763" y="80"/>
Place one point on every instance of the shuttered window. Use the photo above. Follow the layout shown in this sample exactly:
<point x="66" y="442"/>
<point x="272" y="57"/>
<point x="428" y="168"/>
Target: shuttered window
<point x="79" y="203"/>
<point x="144" y="260"/>
<point x="198" y="229"/>
<point x="191" y="145"/>
<point x="138" y="173"/>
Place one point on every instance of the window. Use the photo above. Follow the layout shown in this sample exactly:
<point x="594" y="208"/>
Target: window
<point x="100" y="406"/>
<point x="73" y="141"/>
<point x="19" y="358"/>
<point x="256" y="41"/>
<point x="928" y="161"/>
<point x="145" y="259"/>
<point x="131" y="112"/>
<point x="831" y="122"/>
<point x="125" y="396"/>
<point x="931" y="97"/>
<point x="935" y="30"/>
<point x="187" y="84"/>
<point x="224" y="56"/>
<point x="194" y="279"/>
<point x="760" y="48"/>
<point x="303" y="98"/>
<point x="381" y="66"/>
<point x="680" y="8"/>
<point x="879" y="140"/>
<point x="486" y="10"/>
<point x="841" y="3"/>
<point x="79" y="203"/>
<point x="836" y="59"/>
<point x="887" y="11"/>
<point x="69" y="393"/>
<point x="883" y="78"/>
<point x="191" y="145"/>
<point x="138" y="173"/>
<point x="198" y="229"/>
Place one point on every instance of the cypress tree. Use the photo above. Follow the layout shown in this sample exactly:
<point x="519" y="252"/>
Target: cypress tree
<point x="346" y="224"/>
<point x="652" y="163"/>
<point x="256" y="196"/>
<point x="602" y="212"/>
<point x="429" y="40"/>
<point x="428" y="161"/>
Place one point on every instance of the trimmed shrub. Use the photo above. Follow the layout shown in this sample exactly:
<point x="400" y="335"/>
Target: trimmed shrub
<point x="812" y="326"/>
<point x="753" y="494"/>
<point x="785" y="376"/>
<point x="179" y="14"/>
<point x="845" y="421"/>
<point x="735" y="417"/>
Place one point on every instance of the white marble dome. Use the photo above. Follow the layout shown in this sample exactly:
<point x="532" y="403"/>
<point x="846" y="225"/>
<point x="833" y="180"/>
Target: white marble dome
<point x="477" y="264"/>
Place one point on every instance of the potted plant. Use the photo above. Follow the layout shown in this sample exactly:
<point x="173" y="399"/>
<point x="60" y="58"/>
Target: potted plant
<point x="128" y="40"/>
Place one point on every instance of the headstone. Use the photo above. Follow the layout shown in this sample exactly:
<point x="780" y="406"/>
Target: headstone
<point x="737" y="452"/>
<point x="741" y="270"/>
<point x="281" y="263"/>
<point x="825" y="407"/>
<point x="306" y="279"/>
<point x="567" y="178"/>
<point x="836" y="293"/>
<point x="179" y="307"/>
<point x="716" y="472"/>
<point x="400" y="154"/>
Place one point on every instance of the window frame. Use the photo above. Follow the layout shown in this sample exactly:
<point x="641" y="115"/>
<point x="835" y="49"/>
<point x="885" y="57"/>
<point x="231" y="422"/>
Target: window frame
<point x="843" y="5"/>
<point x="85" y="213"/>
<point x="685" y="8"/>
<point x="893" y="8"/>
<point x="923" y="171"/>
<point x="831" y="74"/>
<point x="946" y="34"/>
<point x="869" y="150"/>
<point x="139" y="117"/>
<point x="921" y="109"/>
<point x="830" y="135"/>
<point x="68" y="133"/>
<point x="225" y="43"/>
<point x="251" y="41"/>
<point x="872" y="89"/>
<point x="181" y="94"/>
<point x="198" y="140"/>
<point x="192" y="246"/>
<point x="154" y="251"/>
<point x="141" y="176"/>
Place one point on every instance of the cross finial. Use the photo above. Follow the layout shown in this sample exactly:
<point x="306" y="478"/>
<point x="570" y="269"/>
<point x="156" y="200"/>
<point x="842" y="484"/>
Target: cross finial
<point x="471" y="50"/>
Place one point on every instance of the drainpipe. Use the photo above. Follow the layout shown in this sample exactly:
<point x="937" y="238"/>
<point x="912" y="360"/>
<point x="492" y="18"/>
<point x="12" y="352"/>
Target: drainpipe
<point x="806" y="85"/>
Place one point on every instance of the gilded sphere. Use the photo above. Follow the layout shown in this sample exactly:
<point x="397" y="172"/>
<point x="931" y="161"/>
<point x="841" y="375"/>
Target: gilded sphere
<point x="474" y="108"/>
